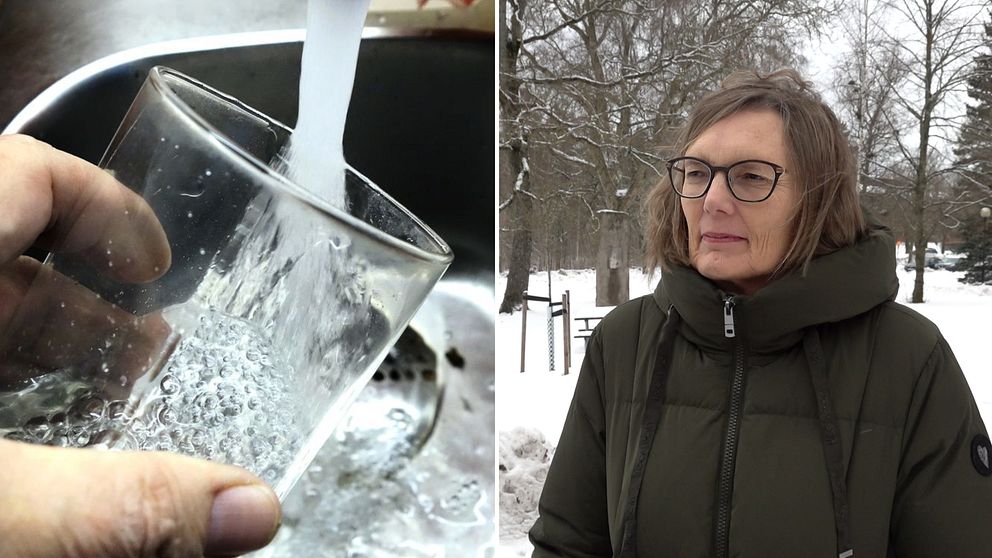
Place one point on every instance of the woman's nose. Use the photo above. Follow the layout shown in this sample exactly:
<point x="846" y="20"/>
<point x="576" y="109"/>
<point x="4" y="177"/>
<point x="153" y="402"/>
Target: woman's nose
<point x="719" y="197"/>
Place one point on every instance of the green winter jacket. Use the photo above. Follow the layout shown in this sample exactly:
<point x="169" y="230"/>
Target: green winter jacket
<point x="815" y="418"/>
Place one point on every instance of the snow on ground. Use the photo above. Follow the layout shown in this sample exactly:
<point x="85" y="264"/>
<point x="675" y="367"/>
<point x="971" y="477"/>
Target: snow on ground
<point x="531" y="405"/>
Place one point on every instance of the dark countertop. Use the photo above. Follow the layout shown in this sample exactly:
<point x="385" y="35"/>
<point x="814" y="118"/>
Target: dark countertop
<point x="43" y="40"/>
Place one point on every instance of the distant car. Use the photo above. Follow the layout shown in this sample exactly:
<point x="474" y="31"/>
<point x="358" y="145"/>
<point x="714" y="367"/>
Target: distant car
<point x="950" y="262"/>
<point x="932" y="260"/>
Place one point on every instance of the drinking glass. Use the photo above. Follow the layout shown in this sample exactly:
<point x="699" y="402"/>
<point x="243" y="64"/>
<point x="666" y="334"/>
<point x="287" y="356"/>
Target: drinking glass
<point x="237" y="315"/>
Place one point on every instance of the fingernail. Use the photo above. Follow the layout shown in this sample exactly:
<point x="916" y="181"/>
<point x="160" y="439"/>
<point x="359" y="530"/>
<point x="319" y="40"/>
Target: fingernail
<point x="242" y="518"/>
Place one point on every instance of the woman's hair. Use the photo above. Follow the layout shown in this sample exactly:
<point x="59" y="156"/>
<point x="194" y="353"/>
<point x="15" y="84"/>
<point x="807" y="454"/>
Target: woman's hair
<point x="828" y="216"/>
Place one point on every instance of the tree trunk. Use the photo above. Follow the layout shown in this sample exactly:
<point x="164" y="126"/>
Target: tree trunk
<point x="920" y="257"/>
<point x="518" y="277"/>
<point x="612" y="261"/>
<point x="514" y="157"/>
<point x="522" y="210"/>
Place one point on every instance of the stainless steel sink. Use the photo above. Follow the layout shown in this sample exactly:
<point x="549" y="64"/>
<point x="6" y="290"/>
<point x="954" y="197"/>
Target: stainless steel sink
<point x="410" y="471"/>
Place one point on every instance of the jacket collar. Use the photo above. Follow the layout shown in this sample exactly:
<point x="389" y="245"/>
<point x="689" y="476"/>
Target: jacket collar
<point x="837" y="286"/>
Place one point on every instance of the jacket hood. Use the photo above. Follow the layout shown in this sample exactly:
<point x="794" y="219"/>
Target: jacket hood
<point x="837" y="286"/>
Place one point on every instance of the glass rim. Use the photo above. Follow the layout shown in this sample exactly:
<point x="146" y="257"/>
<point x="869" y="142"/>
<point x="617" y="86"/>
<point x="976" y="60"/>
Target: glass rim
<point x="443" y="256"/>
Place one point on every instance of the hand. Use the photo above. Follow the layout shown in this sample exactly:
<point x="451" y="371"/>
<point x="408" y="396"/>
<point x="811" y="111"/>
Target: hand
<point x="58" y="202"/>
<point x="85" y="503"/>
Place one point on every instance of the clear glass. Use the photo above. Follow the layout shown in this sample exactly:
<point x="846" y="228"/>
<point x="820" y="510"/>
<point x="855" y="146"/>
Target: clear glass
<point x="271" y="316"/>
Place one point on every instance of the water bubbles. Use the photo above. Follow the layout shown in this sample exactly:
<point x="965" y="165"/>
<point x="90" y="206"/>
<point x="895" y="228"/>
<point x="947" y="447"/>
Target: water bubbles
<point x="425" y="502"/>
<point x="89" y="407"/>
<point x="459" y="505"/>
<point x="212" y="418"/>
<point x="166" y="415"/>
<point x="203" y="252"/>
<point x="115" y="409"/>
<point x="37" y="428"/>
<point x="198" y="439"/>
<point x="169" y="385"/>
<point x="189" y="214"/>
<point x="207" y="401"/>
<point x="260" y="447"/>
<point x="213" y="400"/>
<point x="270" y="475"/>
<point x="400" y="418"/>
<point x="226" y="391"/>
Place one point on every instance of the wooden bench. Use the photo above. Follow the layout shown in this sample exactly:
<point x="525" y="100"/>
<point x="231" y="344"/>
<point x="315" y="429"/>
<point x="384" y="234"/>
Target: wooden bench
<point x="586" y="330"/>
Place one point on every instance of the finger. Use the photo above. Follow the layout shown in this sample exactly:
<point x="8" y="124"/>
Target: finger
<point x="49" y="321"/>
<point x="92" y="504"/>
<point x="65" y="204"/>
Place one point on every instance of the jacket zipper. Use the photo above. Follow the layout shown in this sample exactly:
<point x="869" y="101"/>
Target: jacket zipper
<point x="729" y="458"/>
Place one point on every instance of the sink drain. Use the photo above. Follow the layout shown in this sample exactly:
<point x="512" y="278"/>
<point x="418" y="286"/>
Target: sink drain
<point x="407" y="386"/>
<point x="409" y="472"/>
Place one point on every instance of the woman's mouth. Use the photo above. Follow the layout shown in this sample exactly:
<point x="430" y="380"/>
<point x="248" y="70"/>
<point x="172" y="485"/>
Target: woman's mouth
<point x="720" y="238"/>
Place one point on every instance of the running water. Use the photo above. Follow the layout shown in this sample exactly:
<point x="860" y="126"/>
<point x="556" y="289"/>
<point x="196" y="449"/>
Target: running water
<point x="315" y="156"/>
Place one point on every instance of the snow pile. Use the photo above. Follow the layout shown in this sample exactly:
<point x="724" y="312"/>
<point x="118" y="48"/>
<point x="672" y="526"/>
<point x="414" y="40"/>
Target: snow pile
<point x="524" y="457"/>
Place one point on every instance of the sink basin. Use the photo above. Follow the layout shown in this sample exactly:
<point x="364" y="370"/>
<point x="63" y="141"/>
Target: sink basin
<point x="410" y="470"/>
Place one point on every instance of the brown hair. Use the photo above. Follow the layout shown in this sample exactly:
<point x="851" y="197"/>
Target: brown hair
<point x="829" y="215"/>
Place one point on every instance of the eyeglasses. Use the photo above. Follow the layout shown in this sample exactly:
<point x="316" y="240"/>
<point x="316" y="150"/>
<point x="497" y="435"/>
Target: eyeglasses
<point x="749" y="181"/>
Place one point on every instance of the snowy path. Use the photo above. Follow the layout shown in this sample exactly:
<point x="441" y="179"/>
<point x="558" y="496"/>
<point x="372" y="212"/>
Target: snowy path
<point x="538" y="399"/>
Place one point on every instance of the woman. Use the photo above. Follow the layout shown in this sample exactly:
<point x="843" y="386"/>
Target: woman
<point x="769" y="399"/>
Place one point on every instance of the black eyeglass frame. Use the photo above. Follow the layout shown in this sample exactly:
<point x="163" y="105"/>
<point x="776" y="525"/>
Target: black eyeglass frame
<point x="779" y="171"/>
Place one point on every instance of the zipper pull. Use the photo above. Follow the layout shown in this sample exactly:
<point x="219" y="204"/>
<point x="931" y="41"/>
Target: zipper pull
<point x="728" y="317"/>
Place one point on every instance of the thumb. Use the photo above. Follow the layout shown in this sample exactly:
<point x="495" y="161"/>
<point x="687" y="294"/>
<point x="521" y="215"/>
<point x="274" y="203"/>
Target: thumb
<point x="85" y="503"/>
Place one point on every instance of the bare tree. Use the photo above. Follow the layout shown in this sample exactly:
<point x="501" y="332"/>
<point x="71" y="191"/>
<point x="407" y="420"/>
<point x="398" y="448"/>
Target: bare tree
<point x="607" y="81"/>
<point x="935" y="59"/>
<point x="514" y="167"/>
<point x="865" y="82"/>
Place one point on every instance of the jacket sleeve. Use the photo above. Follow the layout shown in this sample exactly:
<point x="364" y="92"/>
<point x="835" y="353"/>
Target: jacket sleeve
<point x="943" y="503"/>
<point x="572" y="510"/>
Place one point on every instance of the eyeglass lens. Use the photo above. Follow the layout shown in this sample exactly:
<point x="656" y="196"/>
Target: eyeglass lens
<point x="749" y="180"/>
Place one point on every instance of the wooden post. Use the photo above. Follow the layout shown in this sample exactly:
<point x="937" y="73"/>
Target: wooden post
<point x="523" y="334"/>
<point x="566" y="345"/>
